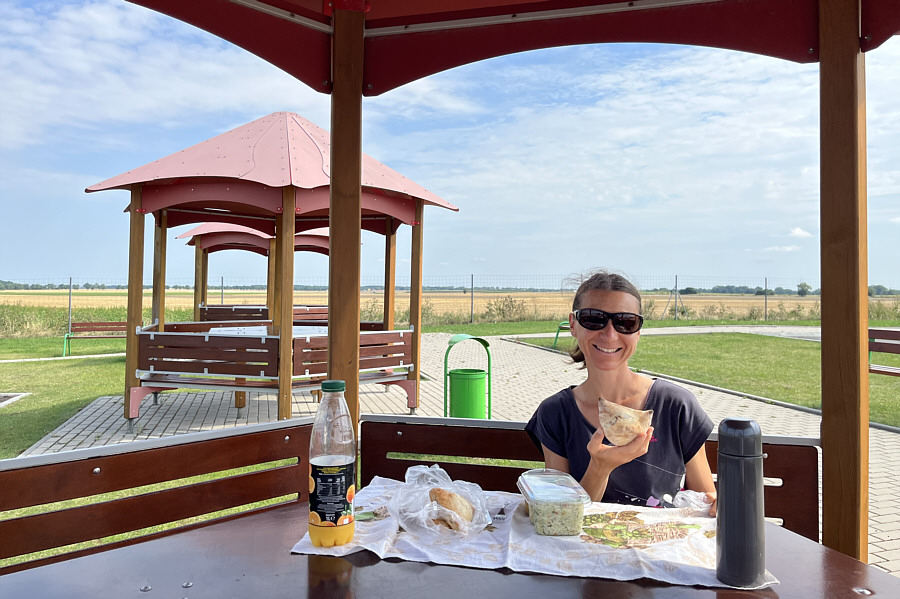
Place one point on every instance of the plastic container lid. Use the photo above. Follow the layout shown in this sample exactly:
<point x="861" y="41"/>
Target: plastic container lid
<point x="331" y="386"/>
<point x="545" y="485"/>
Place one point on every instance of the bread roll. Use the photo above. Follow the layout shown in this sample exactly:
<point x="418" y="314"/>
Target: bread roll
<point x="455" y="503"/>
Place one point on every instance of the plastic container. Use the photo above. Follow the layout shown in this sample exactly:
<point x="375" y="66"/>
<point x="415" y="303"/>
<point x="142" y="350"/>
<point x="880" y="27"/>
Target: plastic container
<point x="555" y="501"/>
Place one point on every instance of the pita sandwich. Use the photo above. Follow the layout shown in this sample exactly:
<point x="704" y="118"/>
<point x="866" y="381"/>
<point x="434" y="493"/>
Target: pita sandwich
<point x="622" y="424"/>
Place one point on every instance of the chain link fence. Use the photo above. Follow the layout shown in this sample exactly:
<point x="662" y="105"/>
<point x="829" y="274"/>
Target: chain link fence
<point x="477" y="298"/>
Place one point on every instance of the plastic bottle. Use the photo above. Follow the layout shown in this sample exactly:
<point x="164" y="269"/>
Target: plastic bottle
<point x="741" y="535"/>
<point x="332" y="470"/>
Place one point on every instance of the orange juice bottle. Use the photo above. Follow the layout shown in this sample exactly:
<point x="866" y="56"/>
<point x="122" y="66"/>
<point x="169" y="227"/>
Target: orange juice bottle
<point x="332" y="470"/>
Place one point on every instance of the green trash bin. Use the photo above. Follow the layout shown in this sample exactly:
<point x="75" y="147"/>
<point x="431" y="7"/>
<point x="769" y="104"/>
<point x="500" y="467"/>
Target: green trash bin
<point x="467" y="393"/>
<point x="466" y="386"/>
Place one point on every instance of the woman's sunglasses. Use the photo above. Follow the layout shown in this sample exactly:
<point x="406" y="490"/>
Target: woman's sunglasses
<point x="594" y="320"/>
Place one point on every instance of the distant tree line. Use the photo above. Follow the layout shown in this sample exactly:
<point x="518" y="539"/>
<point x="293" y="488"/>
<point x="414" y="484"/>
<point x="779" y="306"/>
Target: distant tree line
<point x="803" y="289"/>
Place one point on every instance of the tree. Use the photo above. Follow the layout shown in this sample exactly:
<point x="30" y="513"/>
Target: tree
<point x="803" y="289"/>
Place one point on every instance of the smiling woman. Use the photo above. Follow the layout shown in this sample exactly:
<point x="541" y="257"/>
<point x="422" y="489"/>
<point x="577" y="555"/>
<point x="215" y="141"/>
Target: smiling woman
<point x="567" y="427"/>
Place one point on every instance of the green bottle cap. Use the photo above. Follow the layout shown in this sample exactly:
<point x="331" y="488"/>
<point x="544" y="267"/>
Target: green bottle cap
<point x="331" y="386"/>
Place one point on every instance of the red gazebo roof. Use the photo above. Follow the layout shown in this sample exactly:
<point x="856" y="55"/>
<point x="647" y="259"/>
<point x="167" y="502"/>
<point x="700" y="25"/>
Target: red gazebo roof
<point x="237" y="177"/>
<point x="406" y="40"/>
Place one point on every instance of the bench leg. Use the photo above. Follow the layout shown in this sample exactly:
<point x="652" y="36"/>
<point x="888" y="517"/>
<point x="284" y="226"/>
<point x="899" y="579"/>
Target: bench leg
<point x="129" y="423"/>
<point x="409" y="386"/>
<point x="66" y="347"/>
<point x="135" y="395"/>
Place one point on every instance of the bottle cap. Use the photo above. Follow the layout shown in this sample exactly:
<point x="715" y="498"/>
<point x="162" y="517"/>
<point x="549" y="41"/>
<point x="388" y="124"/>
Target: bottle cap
<point x="740" y="437"/>
<point x="331" y="386"/>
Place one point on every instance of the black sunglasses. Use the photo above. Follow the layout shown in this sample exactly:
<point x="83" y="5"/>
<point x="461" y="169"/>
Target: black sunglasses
<point x="594" y="320"/>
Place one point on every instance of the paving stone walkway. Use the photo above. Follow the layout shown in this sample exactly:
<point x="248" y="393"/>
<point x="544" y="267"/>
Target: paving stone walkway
<point x="521" y="377"/>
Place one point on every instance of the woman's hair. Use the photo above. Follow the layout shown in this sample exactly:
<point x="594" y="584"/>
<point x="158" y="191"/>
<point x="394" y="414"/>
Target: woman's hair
<point x="601" y="280"/>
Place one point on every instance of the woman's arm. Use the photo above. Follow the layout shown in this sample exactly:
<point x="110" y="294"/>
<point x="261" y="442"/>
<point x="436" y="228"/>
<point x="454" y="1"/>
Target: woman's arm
<point x="698" y="477"/>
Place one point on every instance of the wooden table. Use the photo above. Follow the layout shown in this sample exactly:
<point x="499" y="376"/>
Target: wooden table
<point x="250" y="557"/>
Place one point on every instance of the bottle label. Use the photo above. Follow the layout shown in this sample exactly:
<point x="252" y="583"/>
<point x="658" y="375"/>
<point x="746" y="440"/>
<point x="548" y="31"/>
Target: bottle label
<point x="331" y="491"/>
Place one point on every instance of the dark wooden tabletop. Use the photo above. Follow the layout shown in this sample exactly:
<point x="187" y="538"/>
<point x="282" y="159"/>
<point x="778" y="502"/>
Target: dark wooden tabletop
<point x="250" y="557"/>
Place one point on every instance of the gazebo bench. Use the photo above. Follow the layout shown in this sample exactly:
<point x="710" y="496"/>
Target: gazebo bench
<point x="89" y="330"/>
<point x="272" y="458"/>
<point x="884" y="341"/>
<point x="241" y="363"/>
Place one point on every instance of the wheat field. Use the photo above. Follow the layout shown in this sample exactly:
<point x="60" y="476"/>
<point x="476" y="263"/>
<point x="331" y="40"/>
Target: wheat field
<point x="549" y="305"/>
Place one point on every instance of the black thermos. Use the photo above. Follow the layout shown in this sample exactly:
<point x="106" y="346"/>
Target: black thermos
<point x="740" y="536"/>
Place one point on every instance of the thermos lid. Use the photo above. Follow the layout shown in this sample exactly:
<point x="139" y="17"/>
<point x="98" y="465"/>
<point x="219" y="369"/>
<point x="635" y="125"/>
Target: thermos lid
<point x="740" y="437"/>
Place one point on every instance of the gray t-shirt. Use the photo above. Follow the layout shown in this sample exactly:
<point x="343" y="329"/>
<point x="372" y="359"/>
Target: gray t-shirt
<point x="681" y="427"/>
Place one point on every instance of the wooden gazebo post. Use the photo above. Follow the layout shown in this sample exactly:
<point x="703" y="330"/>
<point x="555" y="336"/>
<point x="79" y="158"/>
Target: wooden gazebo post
<point x="158" y="310"/>
<point x="270" y="279"/>
<point x="135" y="307"/>
<point x="345" y="202"/>
<point x="845" y="375"/>
<point x="415" y="294"/>
<point x="284" y="323"/>
<point x="390" y="272"/>
<point x="199" y="279"/>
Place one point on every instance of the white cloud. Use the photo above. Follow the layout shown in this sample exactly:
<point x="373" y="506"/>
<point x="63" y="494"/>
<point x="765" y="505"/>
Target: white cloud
<point x="639" y="157"/>
<point x="103" y="63"/>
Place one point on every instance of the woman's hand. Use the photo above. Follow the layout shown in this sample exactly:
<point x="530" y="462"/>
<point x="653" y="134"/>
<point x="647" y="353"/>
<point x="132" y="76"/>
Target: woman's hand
<point x="609" y="457"/>
<point x="713" y="497"/>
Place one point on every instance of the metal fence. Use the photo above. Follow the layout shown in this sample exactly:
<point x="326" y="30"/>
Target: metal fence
<point x="472" y="298"/>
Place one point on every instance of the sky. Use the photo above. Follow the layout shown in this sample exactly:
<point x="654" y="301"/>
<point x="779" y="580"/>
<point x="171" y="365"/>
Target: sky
<point x="652" y="160"/>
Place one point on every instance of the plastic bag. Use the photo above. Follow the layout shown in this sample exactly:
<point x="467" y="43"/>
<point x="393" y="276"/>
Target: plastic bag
<point x="416" y="513"/>
<point x="694" y="500"/>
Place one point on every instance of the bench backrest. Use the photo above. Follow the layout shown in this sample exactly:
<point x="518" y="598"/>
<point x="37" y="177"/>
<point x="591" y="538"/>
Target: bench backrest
<point x="311" y="313"/>
<point x="791" y="470"/>
<point x="377" y="350"/>
<point x="272" y="459"/>
<point x="234" y="312"/>
<point x="885" y="341"/>
<point x="99" y="327"/>
<point x="209" y="355"/>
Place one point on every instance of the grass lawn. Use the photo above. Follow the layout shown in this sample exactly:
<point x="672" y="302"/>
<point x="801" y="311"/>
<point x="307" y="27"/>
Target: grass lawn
<point x="782" y="369"/>
<point x="58" y="390"/>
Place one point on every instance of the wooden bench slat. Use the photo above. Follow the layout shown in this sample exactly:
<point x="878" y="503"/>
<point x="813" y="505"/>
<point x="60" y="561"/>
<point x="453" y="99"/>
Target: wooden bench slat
<point x="225" y="369"/>
<point x="210" y="353"/>
<point x="213" y="342"/>
<point x="892" y="334"/>
<point x="181" y="381"/>
<point x="889" y="370"/>
<point x="884" y="347"/>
